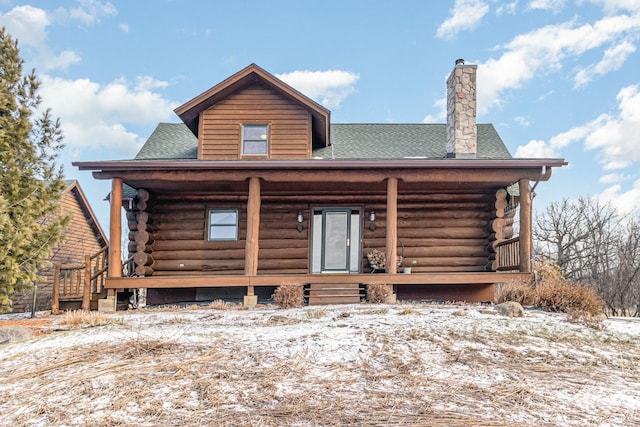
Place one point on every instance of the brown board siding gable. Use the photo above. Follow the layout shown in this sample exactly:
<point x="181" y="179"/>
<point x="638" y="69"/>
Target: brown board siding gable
<point x="221" y="125"/>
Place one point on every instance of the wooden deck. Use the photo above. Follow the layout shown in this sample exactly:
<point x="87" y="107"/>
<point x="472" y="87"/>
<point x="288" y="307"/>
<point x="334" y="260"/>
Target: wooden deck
<point x="215" y="281"/>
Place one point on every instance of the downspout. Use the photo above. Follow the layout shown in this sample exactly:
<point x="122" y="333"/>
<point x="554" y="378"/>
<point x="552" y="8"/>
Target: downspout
<point x="545" y="174"/>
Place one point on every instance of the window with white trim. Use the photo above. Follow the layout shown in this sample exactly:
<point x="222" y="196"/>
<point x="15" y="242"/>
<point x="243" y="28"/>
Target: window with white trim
<point x="223" y="224"/>
<point x="255" y="140"/>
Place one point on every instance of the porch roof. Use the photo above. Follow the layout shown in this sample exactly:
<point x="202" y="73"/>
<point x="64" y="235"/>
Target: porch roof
<point x="315" y="164"/>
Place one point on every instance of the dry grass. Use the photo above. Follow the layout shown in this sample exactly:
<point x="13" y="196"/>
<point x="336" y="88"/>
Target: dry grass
<point x="288" y="296"/>
<point x="254" y="368"/>
<point x="219" y="304"/>
<point x="316" y="313"/>
<point x="77" y="318"/>
<point x="378" y="293"/>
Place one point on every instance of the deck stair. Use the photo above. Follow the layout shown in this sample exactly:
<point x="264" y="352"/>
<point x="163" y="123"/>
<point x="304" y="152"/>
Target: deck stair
<point x="333" y="293"/>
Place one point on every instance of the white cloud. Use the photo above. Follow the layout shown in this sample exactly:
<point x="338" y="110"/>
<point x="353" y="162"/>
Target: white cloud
<point x="465" y="15"/>
<point x="124" y="27"/>
<point x="145" y="83"/>
<point x="88" y="12"/>
<point x="617" y="138"/>
<point x="543" y="50"/>
<point x="624" y="201"/>
<point x="613" y="59"/>
<point x="329" y="87"/>
<point x="508" y="8"/>
<point x="539" y="148"/>
<point x="522" y="121"/>
<point x="95" y="115"/>
<point x="536" y="148"/>
<point x="613" y="6"/>
<point x="554" y="5"/>
<point x="612" y="178"/>
<point x="441" y="105"/>
<point x="28" y="24"/>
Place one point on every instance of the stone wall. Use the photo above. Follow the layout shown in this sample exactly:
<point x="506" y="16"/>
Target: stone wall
<point x="462" y="131"/>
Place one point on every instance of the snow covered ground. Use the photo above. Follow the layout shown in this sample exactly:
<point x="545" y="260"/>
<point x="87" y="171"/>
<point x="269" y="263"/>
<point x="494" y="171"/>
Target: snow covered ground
<point x="402" y="364"/>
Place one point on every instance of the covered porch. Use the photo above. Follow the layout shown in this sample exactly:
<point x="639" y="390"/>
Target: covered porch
<point x="445" y="218"/>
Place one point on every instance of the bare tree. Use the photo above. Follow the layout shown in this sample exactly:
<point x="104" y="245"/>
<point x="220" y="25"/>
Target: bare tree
<point x="592" y="243"/>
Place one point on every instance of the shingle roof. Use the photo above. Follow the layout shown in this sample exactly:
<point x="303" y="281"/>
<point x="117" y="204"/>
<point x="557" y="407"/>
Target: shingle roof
<point x="401" y="141"/>
<point x="170" y="141"/>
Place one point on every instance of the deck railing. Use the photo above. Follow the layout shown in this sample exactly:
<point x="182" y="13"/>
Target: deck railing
<point x="80" y="282"/>
<point x="508" y="254"/>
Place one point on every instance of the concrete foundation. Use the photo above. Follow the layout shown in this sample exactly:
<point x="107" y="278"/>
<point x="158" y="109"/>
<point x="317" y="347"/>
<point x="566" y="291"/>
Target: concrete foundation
<point x="250" y="301"/>
<point x="108" y="304"/>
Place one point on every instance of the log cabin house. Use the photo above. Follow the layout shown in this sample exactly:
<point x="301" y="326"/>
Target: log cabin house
<point x="83" y="237"/>
<point x="257" y="188"/>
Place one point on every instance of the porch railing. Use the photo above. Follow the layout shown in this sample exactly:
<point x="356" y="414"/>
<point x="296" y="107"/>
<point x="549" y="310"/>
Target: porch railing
<point x="508" y="254"/>
<point x="80" y="282"/>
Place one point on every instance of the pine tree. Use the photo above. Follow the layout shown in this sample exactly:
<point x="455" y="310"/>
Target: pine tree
<point x="30" y="180"/>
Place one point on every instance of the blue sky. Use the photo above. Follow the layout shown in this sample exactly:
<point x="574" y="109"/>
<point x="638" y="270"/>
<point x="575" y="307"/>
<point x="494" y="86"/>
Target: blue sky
<point x="558" y="78"/>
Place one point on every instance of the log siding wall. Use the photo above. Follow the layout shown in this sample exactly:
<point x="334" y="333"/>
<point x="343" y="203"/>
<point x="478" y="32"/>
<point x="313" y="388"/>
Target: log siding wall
<point x="442" y="233"/>
<point x="181" y="246"/>
<point x="221" y="125"/>
<point x="445" y="234"/>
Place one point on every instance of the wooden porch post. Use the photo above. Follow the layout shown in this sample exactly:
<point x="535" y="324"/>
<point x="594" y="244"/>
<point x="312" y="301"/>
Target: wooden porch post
<point x="86" y="294"/>
<point x="253" y="237"/>
<point x="55" y="301"/>
<point x="115" y="229"/>
<point x="525" y="226"/>
<point x="115" y="240"/>
<point x="392" y="225"/>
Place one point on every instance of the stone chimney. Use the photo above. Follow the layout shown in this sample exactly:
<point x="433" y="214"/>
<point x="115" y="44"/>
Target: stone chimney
<point x="462" y="133"/>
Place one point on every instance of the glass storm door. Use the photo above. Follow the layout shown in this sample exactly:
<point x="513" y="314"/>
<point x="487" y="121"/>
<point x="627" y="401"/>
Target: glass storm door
<point x="336" y="240"/>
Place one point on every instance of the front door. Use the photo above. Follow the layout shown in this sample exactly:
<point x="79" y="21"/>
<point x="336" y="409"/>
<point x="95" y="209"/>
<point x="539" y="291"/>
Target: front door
<point x="336" y="240"/>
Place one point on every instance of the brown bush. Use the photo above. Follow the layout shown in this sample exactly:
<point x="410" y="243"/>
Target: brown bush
<point x="554" y="292"/>
<point x="566" y="296"/>
<point x="288" y="295"/>
<point x="378" y="293"/>
<point x="520" y="292"/>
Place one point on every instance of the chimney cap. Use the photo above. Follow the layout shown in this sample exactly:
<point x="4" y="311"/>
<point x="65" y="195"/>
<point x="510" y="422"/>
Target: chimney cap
<point x="460" y="61"/>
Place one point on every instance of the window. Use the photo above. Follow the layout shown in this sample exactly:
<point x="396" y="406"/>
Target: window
<point x="255" y="140"/>
<point x="223" y="224"/>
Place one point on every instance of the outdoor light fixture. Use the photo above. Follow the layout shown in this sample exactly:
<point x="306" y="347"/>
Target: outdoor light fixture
<point x="300" y="218"/>
<point x="372" y="218"/>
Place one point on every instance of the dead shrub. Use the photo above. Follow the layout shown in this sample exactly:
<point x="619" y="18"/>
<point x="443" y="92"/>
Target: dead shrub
<point x="378" y="293"/>
<point x="517" y="291"/>
<point x="554" y="292"/>
<point x="566" y="296"/>
<point x="288" y="295"/>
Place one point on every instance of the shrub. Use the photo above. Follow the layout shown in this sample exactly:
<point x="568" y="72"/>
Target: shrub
<point x="554" y="292"/>
<point x="378" y="293"/>
<point x="288" y="295"/>
<point x="518" y="291"/>
<point x="566" y="296"/>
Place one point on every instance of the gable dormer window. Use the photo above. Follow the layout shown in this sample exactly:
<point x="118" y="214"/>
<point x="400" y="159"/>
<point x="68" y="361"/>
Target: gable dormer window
<point x="255" y="140"/>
